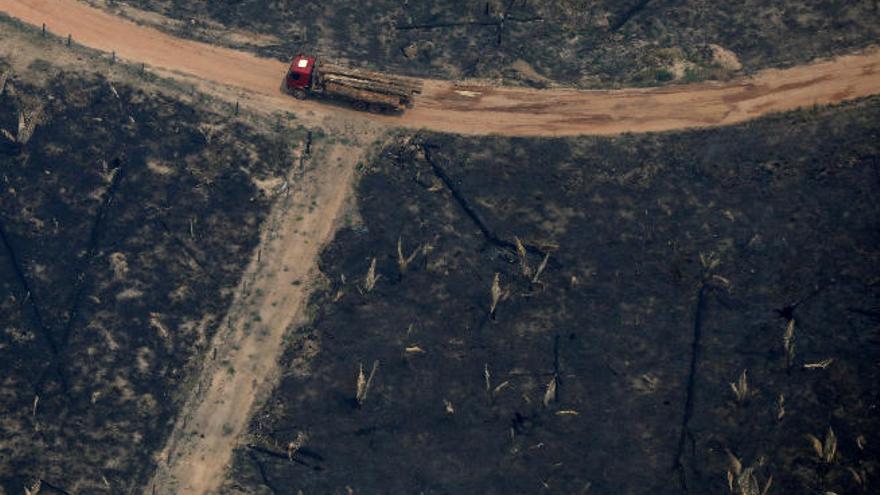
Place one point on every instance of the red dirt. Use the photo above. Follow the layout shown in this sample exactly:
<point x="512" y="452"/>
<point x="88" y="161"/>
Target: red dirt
<point x="475" y="110"/>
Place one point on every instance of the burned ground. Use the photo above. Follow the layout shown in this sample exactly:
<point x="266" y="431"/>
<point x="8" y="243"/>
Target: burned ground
<point x="126" y="220"/>
<point x="573" y="42"/>
<point x="676" y="262"/>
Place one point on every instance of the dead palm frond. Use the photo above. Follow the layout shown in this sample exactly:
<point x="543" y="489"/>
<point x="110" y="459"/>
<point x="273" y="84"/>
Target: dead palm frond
<point x="860" y="442"/>
<point x="821" y="365"/>
<point x="742" y="481"/>
<point x="826" y="451"/>
<point x="550" y="393"/>
<point x="860" y="477"/>
<point x="741" y="388"/>
<point x="788" y="343"/>
<point x="488" y="377"/>
<point x="501" y="386"/>
<point x="404" y="261"/>
<point x="27" y="124"/>
<point x="371" y="278"/>
<point x="496" y="293"/>
<point x="541" y="268"/>
<point x="523" y="258"/>
<point x="292" y="447"/>
<point x="364" y="382"/>
<point x="709" y="262"/>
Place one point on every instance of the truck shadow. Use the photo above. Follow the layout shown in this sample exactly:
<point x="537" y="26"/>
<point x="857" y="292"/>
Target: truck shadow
<point x="342" y="104"/>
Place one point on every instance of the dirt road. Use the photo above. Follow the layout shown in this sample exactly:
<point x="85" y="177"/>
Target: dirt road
<point x="269" y="301"/>
<point x="446" y="106"/>
<point x="268" y="304"/>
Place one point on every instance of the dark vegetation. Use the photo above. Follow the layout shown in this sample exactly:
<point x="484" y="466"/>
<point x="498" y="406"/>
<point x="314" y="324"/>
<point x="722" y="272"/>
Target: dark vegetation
<point x="126" y="220"/>
<point x="585" y="43"/>
<point x="676" y="262"/>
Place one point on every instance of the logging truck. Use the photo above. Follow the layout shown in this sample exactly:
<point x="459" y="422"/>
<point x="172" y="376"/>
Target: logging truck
<point x="365" y="90"/>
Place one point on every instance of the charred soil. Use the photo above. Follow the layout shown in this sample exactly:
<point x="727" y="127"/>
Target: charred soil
<point x="126" y="220"/>
<point x="569" y="315"/>
<point x="586" y="44"/>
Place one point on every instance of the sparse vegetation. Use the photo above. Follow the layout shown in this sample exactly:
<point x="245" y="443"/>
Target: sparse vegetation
<point x="372" y="277"/>
<point x="364" y="382"/>
<point x="109" y="291"/>
<point x="788" y="343"/>
<point x="403" y="261"/>
<point x="599" y="43"/>
<point x="825" y="450"/>
<point x="743" y="481"/>
<point x="496" y="293"/>
<point x="740" y="388"/>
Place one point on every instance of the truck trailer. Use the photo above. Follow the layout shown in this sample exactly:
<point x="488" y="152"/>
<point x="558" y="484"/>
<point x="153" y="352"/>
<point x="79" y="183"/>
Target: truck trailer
<point x="365" y="90"/>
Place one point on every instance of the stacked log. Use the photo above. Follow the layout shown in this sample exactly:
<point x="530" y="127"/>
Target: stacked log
<point x="368" y="86"/>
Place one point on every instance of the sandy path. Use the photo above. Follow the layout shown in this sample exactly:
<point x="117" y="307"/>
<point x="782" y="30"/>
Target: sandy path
<point x="269" y="301"/>
<point x="444" y="106"/>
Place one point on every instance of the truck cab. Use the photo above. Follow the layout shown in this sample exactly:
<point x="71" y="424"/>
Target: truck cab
<point x="299" y="77"/>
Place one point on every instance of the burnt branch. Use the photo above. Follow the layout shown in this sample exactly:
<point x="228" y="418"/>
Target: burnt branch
<point x="284" y="456"/>
<point x="262" y="470"/>
<point x="54" y="488"/>
<point x="31" y="302"/>
<point x="488" y="234"/>
<point x="699" y="309"/>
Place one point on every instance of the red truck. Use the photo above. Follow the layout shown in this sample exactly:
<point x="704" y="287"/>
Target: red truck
<point x="365" y="90"/>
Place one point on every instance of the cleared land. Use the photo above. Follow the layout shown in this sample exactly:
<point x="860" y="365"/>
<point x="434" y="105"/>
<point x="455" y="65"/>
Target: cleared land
<point x="127" y="220"/>
<point x="677" y="262"/>
<point x="587" y="44"/>
<point x="598" y="177"/>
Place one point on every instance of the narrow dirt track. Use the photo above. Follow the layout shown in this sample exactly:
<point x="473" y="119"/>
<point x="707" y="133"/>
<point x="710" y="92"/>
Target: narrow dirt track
<point x="211" y="424"/>
<point x="445" y="106"/>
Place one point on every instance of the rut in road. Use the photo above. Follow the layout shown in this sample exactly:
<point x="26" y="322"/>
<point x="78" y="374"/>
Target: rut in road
<point x="470" y="109"/>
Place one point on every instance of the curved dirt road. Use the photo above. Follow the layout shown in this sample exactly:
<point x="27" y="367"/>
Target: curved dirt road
<point x="200" y="448"/>
<point x="445" y="106"/>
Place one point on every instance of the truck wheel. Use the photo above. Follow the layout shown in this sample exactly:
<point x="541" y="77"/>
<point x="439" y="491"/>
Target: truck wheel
<point x="299" y="93"/>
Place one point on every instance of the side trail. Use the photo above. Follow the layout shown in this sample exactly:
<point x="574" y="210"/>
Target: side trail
<point x="269" y="302"/>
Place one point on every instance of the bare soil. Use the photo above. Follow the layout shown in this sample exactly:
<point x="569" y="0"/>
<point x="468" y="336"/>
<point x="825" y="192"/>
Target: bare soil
<point x="269" y="303"/>
<point x="473" y="108"/>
